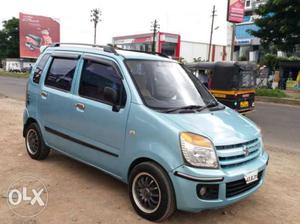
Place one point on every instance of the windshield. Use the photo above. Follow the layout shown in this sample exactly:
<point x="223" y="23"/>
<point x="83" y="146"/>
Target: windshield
<point x="165" y="85"/>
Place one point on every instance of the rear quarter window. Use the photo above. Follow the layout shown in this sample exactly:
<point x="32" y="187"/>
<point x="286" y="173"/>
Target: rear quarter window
<point x="39" y="68"/>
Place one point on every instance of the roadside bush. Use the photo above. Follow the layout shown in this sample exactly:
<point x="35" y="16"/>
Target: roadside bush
<point x="273" y="61"/>
<point x="270" y="92"/>
<point x="14" y="74"/>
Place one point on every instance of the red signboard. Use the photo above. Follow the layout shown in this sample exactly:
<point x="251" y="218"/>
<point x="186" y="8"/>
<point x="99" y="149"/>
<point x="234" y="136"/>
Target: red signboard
<point x="36" y="31"/>
<point x="236" y="9"/>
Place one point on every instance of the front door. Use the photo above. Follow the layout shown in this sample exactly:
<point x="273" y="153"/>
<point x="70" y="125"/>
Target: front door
<point x="99" y="129"/>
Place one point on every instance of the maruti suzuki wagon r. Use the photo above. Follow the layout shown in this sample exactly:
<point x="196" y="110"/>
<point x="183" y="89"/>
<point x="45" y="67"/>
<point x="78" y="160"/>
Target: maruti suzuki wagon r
<point x="148" y="122"/>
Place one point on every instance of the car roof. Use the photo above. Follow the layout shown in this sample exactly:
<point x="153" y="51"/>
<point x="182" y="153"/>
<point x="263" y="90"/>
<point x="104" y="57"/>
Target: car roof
<point x="142" y="56"/>
<point x="125" y="54"/>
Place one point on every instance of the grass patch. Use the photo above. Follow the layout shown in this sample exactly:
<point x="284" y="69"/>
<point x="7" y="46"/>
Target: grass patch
<point x="15" y="74"/>
<point x="270" y="92"/>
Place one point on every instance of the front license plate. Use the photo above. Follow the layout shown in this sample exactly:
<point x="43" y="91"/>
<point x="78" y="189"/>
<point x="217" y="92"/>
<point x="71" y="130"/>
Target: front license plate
<point x="244" y="104"/>
<point x="251" y="177"/>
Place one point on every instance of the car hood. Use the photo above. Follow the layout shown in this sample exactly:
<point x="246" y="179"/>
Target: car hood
<point x="223" y="127"/>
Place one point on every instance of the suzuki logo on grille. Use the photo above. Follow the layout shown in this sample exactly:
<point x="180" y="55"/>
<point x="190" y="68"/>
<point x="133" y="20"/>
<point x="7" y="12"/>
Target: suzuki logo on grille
<point x="246" y="150"/>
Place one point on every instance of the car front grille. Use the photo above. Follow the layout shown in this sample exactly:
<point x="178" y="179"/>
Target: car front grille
<point x="238" y="154"/>
<point x="238" y="187"/>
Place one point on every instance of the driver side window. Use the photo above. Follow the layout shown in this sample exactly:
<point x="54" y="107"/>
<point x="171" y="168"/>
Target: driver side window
<point x="95" y="77"/>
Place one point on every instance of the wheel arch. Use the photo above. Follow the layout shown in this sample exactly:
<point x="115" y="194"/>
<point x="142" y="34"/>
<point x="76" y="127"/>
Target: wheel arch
<point x="141" y="160"/>
<point x="29" y="121"/>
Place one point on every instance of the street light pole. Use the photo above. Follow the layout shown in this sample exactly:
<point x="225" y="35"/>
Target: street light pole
<point x="211" y="30"/>
<point x="95" y="18"/>
<point x="154" y="27"/>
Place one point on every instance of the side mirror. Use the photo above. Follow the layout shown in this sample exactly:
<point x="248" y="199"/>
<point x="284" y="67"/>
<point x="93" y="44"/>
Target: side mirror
<point x="111" y="96"/>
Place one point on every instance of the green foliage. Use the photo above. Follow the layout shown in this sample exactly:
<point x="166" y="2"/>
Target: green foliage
<point x="294" y="58"/>
<point x="270" y="92"/>
<point x="14" y="74"/>
<point x="279" y="24"/>
<point x="9" y="39"/>
<point x="242" y="58"/>
<point x="272" y="60"/>
<point x="199" y="59"/>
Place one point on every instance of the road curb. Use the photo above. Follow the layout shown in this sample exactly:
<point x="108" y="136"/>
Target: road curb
<point x="288" y="101"/>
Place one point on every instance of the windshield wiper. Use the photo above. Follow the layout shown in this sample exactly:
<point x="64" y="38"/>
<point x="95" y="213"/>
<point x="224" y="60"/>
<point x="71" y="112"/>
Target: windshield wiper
<point x="197" y="108"/>
<point x="190" y="107"/>
<point x="210" y="104"/>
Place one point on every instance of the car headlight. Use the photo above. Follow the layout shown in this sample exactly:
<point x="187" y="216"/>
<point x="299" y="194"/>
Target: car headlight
<point x="198" y="151"/>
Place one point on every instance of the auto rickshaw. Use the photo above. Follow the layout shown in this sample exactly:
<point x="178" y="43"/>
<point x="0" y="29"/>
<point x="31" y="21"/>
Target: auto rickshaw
<point x="232" y="83"/>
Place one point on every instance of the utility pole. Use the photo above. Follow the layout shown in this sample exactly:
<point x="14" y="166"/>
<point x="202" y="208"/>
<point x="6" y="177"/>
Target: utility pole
<point x="232" y="42"/>
<point x="95" y="18"/>
<point x="211" y="30"/>
<point x="154" y="27"/>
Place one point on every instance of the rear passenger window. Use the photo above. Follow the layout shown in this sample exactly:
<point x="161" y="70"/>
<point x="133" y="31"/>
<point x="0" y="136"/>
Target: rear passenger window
<point x="60" y="74"/>
<point x="95" y="77"/>
<point x="39" y="68"/>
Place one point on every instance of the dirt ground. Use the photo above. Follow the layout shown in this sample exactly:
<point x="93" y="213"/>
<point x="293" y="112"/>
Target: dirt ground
<point x="82" y="194"/>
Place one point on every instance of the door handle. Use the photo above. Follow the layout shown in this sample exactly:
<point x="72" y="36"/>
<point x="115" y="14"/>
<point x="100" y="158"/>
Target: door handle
<point x="80" y="106"/>
<point x="44" y="94"/>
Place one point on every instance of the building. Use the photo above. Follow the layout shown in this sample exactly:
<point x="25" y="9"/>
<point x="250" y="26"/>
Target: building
<point x="191" y="50"/>
<point x="247" y="46"/>
<point x="166" y="43"/>
<point x="172" y="45"/>
<point x="17" y="64"/>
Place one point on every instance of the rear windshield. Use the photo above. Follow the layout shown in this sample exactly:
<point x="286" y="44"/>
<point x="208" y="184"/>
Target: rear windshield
<point x="247" y="79"/>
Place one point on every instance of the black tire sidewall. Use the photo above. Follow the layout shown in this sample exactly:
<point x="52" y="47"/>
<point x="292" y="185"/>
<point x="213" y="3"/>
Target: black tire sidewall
<point x="43" y="151"/>
<point x="166" y="188"/>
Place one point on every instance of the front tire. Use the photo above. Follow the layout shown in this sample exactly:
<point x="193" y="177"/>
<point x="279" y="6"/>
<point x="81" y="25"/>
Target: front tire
<point x="151" y="192"/>
<point x="35" y="145"/>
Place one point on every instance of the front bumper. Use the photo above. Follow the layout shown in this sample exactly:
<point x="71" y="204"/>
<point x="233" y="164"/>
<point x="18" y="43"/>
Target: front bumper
<point x="185" y="180"/>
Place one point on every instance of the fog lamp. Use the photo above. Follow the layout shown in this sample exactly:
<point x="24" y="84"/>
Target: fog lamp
<point x="202" y="191"/>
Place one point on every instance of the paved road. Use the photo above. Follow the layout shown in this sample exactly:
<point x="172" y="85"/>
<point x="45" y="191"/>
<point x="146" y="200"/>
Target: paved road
<point x="280" y="124"/>
<point x="13" y="87"/>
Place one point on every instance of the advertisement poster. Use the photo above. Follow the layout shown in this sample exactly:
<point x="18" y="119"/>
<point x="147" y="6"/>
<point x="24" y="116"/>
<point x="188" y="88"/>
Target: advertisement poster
<point x="36" y="31"/>
<point x="236" y="9"/>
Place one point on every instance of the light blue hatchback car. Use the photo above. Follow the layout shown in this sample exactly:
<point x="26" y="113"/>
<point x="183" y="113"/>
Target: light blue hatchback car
<point x="145" y="120"/>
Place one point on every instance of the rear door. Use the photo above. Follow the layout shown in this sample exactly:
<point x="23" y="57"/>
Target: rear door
<point x="55" y="100"/>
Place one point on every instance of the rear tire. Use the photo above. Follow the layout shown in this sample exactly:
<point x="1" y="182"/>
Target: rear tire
<point x="35" y="145"/>
<point x="151" y="192"/>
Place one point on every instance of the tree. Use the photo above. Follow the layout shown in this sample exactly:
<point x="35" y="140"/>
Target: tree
<point x="279" y="24"/>
<point x="9" y="39"/>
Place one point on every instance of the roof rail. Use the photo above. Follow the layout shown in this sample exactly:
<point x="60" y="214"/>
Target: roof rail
<point x="146" y="52"/>
<point x="106" y="48"/>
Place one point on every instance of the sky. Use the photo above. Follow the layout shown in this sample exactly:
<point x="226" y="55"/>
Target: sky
<point x="189" y="18"/>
